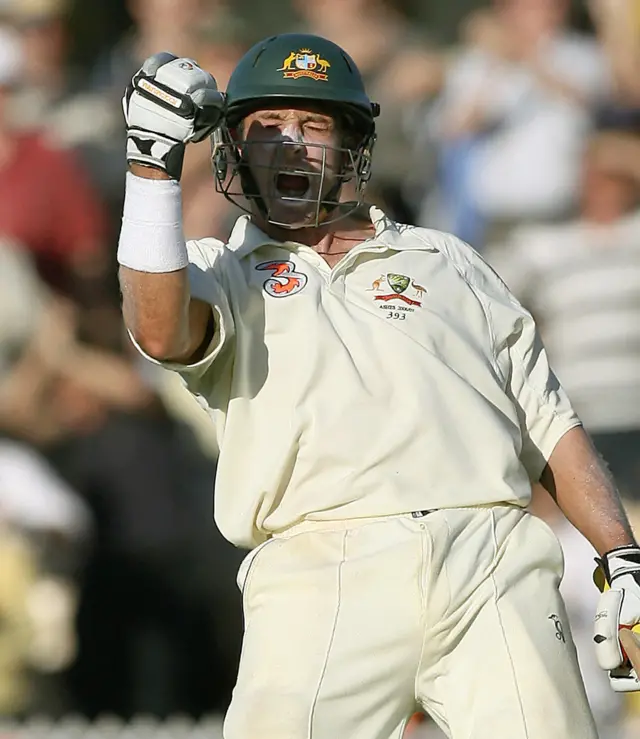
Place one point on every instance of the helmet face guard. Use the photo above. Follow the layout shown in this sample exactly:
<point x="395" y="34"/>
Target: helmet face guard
<point x="315" y="181"/>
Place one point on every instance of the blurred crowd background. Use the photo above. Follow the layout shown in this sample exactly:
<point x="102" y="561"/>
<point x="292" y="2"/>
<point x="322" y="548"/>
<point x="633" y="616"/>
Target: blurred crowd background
<point x="514" y="124"/>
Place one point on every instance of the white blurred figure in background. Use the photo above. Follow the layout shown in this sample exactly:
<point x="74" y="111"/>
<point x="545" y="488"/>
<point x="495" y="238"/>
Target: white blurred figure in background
<point x="513" y="116"/>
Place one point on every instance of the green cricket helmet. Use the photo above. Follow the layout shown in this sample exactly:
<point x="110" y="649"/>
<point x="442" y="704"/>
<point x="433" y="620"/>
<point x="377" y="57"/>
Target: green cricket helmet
<point x="297" y="70"/>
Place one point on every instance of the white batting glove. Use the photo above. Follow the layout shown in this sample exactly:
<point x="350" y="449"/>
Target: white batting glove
<point x="170" y="102"/>
<point x="619" y="607"/>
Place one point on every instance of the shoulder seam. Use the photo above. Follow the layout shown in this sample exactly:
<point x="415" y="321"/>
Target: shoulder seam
<point x="483" y="304"/>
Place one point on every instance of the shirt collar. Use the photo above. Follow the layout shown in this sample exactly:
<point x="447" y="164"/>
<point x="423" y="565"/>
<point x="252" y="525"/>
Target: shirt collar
<point x="246" y="237"/>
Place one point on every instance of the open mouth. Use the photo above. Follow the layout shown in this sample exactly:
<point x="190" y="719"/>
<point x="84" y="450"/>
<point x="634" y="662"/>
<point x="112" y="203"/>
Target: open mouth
<point x="290" y="185"/>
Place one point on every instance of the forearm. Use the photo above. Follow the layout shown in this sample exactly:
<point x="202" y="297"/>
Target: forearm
<point x="583" y="488"/>
<point x="162" y="317"/>
<point x="157" y="305"/>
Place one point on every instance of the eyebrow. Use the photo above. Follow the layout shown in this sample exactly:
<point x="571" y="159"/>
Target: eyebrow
<point x="308" y="116"/>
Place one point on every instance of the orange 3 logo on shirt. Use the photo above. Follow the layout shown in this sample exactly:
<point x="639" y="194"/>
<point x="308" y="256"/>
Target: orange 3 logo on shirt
<point x="398" y="284"/>
<point x="284" y="280"/>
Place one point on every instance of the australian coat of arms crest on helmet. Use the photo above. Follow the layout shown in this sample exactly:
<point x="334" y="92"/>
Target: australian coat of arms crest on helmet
<point x="305" y="63"/>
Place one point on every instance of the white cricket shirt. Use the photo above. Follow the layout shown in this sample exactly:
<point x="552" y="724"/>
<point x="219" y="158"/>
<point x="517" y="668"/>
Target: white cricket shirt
<point x="405" y="378"/>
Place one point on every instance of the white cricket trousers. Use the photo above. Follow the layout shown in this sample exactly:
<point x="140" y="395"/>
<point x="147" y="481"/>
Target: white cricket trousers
<point x="351" y="626"/>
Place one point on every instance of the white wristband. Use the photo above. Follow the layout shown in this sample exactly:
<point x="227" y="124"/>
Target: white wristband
<point x="151" y="237"/>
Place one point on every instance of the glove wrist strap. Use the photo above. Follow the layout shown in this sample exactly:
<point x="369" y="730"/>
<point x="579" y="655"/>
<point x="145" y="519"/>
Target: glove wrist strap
<point x="156" y="150"/>
<point x="621" y="561"/>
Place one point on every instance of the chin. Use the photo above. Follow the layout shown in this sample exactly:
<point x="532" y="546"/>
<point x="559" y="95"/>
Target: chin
<point x="292" y="215"/>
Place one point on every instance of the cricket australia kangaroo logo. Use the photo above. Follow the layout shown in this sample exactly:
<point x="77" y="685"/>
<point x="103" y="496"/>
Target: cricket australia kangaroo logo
<point x="397" y="302"/>
<point x="284" y="280"/>
<point x="305" y="63"/>
<point x="396" y="288"/>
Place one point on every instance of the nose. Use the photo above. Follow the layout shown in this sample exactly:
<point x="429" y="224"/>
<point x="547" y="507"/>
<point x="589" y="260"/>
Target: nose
<point x="293" y="140"/>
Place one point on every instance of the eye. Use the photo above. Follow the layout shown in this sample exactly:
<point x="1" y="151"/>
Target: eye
<point x="317" y="126"/>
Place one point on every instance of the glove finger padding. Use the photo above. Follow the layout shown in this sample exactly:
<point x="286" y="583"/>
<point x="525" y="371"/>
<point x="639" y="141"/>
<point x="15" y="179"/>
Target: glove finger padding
<point x="605" y="634"/>
<point x="209" y="113"/>
<point x="623" y="678"/>
<point x="153" y="63"/>
<point x="617" y="624"/>
<point x="170" y="102"/>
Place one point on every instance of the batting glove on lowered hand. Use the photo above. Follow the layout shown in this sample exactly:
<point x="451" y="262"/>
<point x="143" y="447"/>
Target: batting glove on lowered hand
<point x="618" y="577"/>
<point x="169" y="103"/>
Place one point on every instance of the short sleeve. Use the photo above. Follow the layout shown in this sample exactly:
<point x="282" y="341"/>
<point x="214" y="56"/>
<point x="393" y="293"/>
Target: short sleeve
<point x="542" y="405"/>
<point x="207" y="282"/>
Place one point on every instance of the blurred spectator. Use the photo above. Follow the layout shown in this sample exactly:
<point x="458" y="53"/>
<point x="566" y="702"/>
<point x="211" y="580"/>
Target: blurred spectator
<point x="581" y="279"/>
<point x="158" y="25"/>
<point x="617" y="24"/>
<point x="159" y="618"/>
<point x="43" y="524"/>
<point x="53" y="385"/>
<point x="512" y="118"/>
<point x="51" y="95"/>
<point x="50" y="524"/>
<point x="220" y="39"/>
<point x="400" y="70"/>
<point x="201" y="29"/>
<point x="47" y="205"/>
<point x="17" y="575"/>
<point x="157" y="631"/>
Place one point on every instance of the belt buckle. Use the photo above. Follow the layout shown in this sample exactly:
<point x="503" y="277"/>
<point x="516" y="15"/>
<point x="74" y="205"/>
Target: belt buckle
<point x="420" y="514"/>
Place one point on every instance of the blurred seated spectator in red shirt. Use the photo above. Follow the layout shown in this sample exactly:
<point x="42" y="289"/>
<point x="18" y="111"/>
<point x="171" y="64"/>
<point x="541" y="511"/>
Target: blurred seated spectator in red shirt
<point x="47" y="203"/>
<point x="51" y="94"/>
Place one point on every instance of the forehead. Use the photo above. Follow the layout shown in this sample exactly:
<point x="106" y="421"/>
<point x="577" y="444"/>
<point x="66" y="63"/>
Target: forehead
<point x="285" y="113"/>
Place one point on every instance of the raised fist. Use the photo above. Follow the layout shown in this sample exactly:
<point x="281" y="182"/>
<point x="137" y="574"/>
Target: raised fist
<point x="169" y="103"/>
